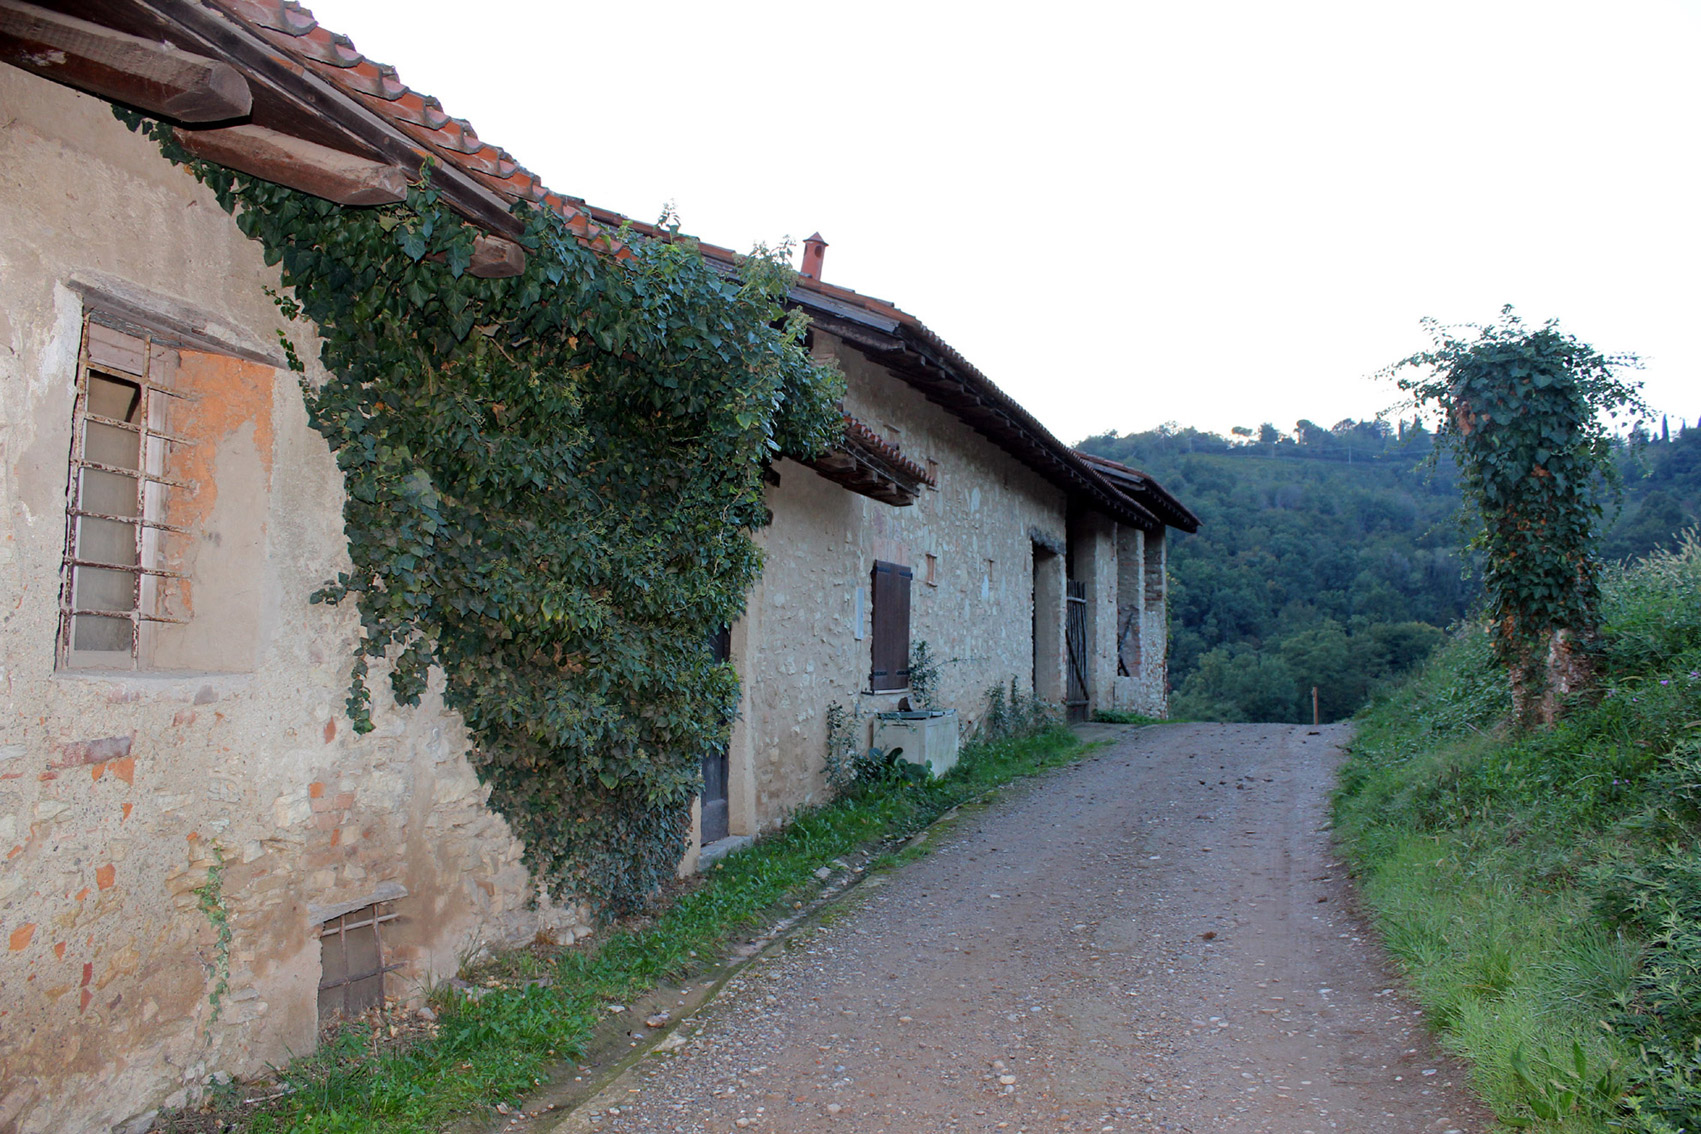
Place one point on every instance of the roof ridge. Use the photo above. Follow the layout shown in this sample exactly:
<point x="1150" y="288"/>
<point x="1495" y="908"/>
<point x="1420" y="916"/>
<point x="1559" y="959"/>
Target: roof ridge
<point x="420" y="121"/>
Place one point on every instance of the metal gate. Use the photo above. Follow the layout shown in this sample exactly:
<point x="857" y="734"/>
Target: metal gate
<point x="1076" y="636"/>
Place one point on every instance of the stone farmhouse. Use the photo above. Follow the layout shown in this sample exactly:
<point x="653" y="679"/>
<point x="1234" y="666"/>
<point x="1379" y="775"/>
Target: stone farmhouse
<point x="949" y="517"/>
<point x="200" y="861"/>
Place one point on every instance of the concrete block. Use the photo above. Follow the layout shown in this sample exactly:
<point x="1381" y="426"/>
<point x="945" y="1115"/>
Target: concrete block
<point x="928" y="737"/>
<point x="719" y="849"/>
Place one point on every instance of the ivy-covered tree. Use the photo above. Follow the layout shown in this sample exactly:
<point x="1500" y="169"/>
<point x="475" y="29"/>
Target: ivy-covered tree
<point x="1526" y="413"/>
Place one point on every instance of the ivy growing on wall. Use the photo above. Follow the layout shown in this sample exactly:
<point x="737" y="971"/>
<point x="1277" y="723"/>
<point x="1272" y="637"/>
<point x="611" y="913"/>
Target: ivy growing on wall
<point x="552" y="484"/>
<point x="209" y="899"/>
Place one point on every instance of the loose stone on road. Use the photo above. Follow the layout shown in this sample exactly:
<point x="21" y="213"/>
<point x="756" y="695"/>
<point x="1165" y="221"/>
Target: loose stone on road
<point x="1157" y="938"/>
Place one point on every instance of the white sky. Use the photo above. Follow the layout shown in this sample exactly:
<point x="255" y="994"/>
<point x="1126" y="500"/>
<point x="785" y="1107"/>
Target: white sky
<point x="1124" y="214"/>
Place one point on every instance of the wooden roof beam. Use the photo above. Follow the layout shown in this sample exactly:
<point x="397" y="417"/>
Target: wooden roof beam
<point x="306" y="93"/>
<point x="148" y="74"/>
<point x="494" y="258"/>
<point x="332" y="174"/>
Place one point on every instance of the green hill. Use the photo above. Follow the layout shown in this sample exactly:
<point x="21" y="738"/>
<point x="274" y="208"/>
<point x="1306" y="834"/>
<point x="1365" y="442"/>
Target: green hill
<point x="1334" y="557"/>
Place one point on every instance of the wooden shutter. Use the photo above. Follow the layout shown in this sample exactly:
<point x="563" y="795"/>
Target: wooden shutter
<point x="891" y="645"/>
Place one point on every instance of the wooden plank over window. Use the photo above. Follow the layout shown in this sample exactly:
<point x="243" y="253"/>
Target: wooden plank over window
<point x="891" y="638"/>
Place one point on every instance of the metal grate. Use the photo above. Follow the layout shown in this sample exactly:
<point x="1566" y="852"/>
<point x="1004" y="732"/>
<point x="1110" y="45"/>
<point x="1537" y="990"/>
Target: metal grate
<point x="1076" y="638"/>
<point x="351" y="961"/>
<point x="121" y="448"/>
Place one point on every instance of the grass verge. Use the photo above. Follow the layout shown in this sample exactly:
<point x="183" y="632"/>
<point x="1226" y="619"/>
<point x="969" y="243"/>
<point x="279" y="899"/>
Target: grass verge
<point x="539" y="1006"/>
<point x="1543" y="891"/>
<point x="1120" y="716"/>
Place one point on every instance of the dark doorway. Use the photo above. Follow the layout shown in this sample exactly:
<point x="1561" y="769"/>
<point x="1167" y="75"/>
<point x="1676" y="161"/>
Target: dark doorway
<point x="1040" y="555"/>
<point x="714" y="825"/>
<point x="1043" y="679"/>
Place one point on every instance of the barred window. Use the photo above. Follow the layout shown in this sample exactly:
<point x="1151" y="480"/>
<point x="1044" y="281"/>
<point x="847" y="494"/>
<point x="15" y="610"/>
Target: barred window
<point x="351" y="961"/>
<point x="118" y="543"/>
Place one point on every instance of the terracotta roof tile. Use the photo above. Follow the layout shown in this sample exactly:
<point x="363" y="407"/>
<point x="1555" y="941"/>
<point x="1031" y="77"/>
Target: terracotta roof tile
<point x="414" y="108"/>
<point x="323" y="46"/>
<point x="488" y="160"/>
<point x="334" y="58"/>
<point x="288" y="17"/>
<point x="859" y="433"/>
<point x="866" y="463"/>
<point x="1141" y="488"/>
<point x="516" y="185"/>
<point x="371" y="79"/>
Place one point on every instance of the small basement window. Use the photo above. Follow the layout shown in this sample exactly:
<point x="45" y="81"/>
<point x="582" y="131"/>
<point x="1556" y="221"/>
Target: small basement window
<point x="351" y="961"/>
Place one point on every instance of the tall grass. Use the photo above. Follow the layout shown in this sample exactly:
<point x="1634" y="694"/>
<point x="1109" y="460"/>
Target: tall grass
<point x="1543" y="891"/>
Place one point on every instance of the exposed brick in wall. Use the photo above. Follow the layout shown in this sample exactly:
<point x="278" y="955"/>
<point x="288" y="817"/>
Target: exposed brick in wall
<point x="1154" y="571"/>
<point x="120" y="793"/>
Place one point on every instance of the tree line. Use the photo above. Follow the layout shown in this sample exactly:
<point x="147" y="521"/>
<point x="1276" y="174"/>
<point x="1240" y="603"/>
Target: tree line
<point x="1335" y="557"/>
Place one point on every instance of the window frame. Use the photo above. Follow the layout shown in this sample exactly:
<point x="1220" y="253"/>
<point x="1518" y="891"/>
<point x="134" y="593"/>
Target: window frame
<point x="102" y="354"/>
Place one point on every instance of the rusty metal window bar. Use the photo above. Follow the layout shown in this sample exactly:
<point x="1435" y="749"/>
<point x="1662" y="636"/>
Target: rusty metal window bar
<point x="115" y="582"/>
<point x="351" y="961"/>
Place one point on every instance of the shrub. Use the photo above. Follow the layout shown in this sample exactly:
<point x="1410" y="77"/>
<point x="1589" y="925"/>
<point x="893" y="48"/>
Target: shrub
<point x="1653" y="609"/>
<point x="1015" y="714"/>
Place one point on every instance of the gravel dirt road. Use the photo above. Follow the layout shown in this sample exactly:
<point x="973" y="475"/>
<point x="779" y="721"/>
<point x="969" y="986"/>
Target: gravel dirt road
<point x="1157" y="938"/>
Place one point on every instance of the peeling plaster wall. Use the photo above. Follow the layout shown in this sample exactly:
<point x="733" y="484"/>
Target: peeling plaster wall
<point x="797" y="646"/>
<point x="118" y="791"/>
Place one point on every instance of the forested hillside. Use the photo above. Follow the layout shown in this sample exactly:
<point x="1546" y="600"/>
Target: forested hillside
<point x="1334" y="557"/>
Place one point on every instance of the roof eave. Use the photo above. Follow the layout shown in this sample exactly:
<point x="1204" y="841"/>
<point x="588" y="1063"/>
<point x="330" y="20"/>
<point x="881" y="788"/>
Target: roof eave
<point x="1132" y="481"/>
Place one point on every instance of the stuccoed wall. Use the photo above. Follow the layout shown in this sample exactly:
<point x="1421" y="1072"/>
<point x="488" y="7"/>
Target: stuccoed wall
<point x="118" y="792"/>
<point x="797" y="647"/>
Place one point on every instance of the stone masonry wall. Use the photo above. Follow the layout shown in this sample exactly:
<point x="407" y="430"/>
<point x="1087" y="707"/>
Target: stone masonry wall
<point x="1143" y="563"/>
<point x="798" y="648"/>
<point x="121" y="794"/>
<point x="1093" y="545"/>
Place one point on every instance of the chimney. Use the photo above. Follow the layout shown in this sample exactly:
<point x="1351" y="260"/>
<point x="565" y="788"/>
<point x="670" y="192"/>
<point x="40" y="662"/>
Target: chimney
<point x="814" y="251"/>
